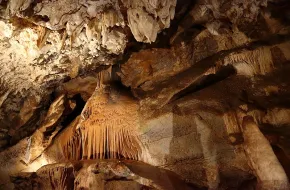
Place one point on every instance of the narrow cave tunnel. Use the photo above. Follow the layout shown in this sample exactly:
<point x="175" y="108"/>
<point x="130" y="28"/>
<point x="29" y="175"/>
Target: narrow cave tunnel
<point x="115" y="94"/>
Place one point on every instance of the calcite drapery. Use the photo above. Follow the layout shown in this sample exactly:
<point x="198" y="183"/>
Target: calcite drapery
<point x="216" y="62"/>
<point x="107" y="128"/>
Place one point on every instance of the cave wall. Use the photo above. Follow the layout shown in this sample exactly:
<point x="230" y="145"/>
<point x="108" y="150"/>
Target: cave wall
<point x="144" y="94"/>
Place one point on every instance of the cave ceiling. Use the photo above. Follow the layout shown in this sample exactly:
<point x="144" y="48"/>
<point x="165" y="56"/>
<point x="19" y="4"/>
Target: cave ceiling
<point x="145" y="94"/>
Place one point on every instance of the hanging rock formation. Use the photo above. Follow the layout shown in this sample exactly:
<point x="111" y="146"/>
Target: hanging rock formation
<point x="139" y="94"/>
<point x="107" y="128"/>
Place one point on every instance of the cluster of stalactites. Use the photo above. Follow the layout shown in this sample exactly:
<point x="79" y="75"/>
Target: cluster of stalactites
<point x="100" y="142"/>
<point x="106" y="129"/>
<point x="70" y="142"/>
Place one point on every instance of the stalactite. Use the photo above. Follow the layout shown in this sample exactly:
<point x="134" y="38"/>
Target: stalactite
<point x="43" y="35"/>
<point x="70" y="142"/>
<point x="109" y="141"/>
<point x="106" y="129"/>
<point x="27" y="154"/>
<point x="109" y="129"/>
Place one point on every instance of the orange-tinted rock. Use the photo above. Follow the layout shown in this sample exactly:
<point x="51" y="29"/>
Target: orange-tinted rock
<point x="98" y="174"/>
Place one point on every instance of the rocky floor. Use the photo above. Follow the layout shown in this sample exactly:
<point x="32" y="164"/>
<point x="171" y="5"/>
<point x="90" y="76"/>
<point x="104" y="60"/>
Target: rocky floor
<point x="139" y="94"/>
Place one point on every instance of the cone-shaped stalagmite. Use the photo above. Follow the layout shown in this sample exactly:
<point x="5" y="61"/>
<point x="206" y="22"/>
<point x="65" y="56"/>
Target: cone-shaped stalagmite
<point x="263" y="160"/>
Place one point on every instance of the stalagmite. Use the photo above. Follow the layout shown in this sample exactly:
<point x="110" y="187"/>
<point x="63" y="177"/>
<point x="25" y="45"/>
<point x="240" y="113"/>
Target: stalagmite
<point x="270" y="174"/>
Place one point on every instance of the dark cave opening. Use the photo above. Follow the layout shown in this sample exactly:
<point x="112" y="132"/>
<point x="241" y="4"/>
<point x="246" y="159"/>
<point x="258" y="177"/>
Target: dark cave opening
<point x="80" y="103"/>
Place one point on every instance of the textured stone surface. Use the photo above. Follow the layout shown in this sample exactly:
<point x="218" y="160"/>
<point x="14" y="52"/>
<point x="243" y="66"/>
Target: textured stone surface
<point x="166" y="94"/>
<point x="97" y="174"/>
<point x="45" y="43"/>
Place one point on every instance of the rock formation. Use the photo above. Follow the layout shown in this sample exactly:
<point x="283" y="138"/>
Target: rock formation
<point x="159" y="94"/>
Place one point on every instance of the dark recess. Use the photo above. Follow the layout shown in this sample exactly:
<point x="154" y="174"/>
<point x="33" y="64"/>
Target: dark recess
<point x="80" y="103"/>
<point x="206" y="81"/>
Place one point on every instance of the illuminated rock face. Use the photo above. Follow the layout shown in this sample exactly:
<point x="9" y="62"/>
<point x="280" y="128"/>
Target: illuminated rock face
<point x="107" y="128"/>
<point x="46" y="43"/>
<point x="159" y="94"/>
<point x="104" y="174"/>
